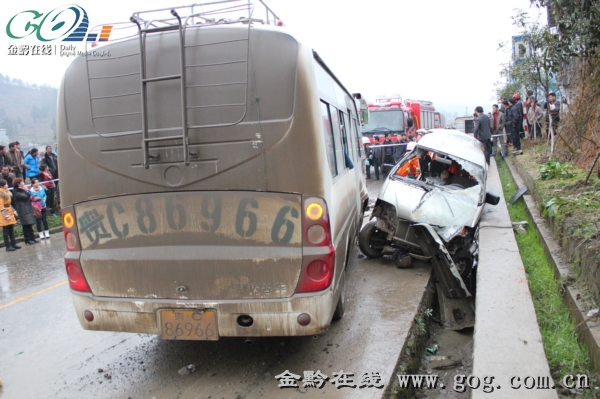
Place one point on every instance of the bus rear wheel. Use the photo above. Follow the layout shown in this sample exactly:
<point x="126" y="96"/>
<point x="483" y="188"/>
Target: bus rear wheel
<point x="371" y="240"/>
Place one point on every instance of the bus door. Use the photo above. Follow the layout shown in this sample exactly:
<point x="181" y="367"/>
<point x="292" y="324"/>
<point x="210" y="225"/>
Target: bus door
<point x="350" y="179"/>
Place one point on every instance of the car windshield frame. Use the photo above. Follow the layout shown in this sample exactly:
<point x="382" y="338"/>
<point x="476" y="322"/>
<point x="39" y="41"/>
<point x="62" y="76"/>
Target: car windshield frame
<point x="474" y="170"/>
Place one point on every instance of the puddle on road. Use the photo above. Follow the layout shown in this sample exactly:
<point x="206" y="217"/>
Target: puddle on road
<point x="31" y="267"/>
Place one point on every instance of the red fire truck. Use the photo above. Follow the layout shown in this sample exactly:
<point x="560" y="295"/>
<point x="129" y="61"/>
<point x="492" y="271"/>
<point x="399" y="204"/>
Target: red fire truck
<point x="390" y="114"/>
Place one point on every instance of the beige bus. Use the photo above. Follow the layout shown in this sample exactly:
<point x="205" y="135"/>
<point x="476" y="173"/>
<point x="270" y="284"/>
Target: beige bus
<point x="211" y="179"/>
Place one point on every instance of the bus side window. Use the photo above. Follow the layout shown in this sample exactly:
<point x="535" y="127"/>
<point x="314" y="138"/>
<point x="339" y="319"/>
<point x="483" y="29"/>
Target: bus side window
<point x="328" y="132"/>
<point x="358" y="139"/>
<point x="350" y="145"/>
<point x="337" y="138"/>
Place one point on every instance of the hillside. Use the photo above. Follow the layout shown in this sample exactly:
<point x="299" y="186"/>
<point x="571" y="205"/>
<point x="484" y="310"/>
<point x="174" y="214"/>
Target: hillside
<point x="27" y="112"/>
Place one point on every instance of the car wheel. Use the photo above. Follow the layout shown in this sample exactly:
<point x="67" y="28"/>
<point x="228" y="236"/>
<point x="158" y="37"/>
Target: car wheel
<point x="371" y="240"/>
<point x="340" y="309"/>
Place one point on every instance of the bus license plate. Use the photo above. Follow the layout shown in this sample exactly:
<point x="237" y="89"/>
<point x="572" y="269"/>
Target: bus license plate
<point x="189" y="324"/>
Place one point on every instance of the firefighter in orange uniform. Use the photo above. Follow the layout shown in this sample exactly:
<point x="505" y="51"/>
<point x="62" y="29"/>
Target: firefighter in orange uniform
<point x="409" y="169"/>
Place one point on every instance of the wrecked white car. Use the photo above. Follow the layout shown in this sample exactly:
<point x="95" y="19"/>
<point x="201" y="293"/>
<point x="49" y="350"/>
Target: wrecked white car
<point x="429" y="209"/>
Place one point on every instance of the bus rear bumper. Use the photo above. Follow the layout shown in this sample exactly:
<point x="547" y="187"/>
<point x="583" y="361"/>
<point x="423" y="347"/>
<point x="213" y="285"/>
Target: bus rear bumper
<point x="273" y="317"/>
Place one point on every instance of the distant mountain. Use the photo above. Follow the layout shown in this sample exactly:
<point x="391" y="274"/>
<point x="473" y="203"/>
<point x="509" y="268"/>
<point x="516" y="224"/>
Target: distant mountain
<point x="27" y="112"/>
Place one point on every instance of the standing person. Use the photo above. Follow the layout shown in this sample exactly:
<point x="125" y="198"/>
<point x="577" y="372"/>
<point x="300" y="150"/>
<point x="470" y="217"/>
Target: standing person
<point x="48" y="183"/>
<point x="32" y="162"/>
<point x="482" y="132"/>
<point x="400" y="150"/>
<point x="498" y="121"/>
<point x="553" y="108"/>
<point x="535" y="117"/>
<point x="369" y="159"/>
<point x="7" y="220"/>
<point x="402" y="138"/>
<point x="514" y="120"/>
<point x="38" y="198"/>
<point x="18" y="147"/>
<point x="526" y="116"/>
<point x="15" y="160"/>
<point x="501" y="102"/>
<point x="51" y="160"/>
<point x="24" y="210"/>
<point x="376" y="158"/>
<point x="411" y="143"/>
<point x="519" y="108"/>
<point x="504" y="107"/>
<point x="6" y="175"/>
<point x="3" y="157"/>
<point x="388" y="151"/>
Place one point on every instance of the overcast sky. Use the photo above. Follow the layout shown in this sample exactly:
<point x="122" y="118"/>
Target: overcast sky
<point x="439" y="50"/>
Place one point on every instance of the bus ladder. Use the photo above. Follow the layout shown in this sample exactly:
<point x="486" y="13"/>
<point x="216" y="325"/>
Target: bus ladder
<point x="146" y="140"/>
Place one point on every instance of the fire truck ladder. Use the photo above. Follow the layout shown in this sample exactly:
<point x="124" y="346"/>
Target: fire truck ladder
<point x="146" y="140"/>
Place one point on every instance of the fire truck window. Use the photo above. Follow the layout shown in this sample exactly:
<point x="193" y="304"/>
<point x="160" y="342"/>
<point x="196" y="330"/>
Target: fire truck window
<point x="329" y="143"/>
<point x="381" y="122"/>
<point x="337" y="138"/>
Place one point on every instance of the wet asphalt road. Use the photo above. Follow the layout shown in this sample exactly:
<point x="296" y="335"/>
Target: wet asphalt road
<point x="44" y="352"/>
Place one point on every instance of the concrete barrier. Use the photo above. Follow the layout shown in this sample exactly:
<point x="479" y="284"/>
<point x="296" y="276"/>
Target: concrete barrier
<point x="507" y="338"/>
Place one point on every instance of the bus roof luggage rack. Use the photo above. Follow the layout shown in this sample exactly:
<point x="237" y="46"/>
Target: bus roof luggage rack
<point x="146" y="25"/>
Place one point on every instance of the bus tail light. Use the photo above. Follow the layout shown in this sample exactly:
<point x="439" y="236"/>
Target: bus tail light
<point x="70" y="229"/>
<point x="76" y="278"/>
<point x="318" y="254"/>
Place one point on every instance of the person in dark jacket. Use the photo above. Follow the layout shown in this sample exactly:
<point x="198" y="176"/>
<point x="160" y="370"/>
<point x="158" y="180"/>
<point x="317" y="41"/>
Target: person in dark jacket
<point x="519" y="108"/>
<point x="400" y="150"/>
<point x="369" y="161"/>
<point x="482" y="132"/>
<point x="6" y="175"/>
<point x="3" y="157"/>
<point x="377" y="158"/>
<point x="22" y="204"/>
<point x="388" y="151"/>
<point x="502" y="109"/>
<point x="15" y="160"/>
<point x="514" y="122"/>
<point x="51" y="160"/>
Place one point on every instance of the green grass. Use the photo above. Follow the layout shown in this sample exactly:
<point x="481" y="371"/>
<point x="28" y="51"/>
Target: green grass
<point x="52" y="223"/>
<point x="566" y="355"/>
<point x="574" y="200"/>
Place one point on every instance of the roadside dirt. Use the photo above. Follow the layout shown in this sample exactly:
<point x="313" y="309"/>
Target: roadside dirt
<point x="454" y="357"/>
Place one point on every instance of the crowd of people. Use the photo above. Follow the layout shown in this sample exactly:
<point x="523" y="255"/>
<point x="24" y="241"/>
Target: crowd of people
<point x="32" y="202"/>
<point x="506" y="123"/>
